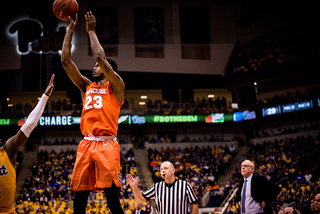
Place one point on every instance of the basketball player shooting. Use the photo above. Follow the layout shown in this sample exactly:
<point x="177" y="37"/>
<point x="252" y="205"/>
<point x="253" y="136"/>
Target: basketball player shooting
<point x="8" y="153"/>
<point x="97" y="165"/>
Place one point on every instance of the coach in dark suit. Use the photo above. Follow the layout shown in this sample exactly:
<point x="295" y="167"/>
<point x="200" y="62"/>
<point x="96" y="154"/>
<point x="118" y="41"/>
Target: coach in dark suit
<point x="255" y="192"/>
<point x="138" y="209"/>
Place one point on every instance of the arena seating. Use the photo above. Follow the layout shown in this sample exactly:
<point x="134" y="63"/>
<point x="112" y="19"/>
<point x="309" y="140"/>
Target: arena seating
<point x="272" y="49"/>
<point x="48" y="185"/>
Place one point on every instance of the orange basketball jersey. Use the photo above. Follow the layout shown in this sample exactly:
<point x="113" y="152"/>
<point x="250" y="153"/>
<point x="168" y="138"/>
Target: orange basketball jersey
<point x="7" y="182"/>
<point x="100" y="111"/>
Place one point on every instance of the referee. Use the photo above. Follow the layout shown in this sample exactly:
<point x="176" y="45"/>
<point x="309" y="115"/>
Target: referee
<point x="172" y="196"/>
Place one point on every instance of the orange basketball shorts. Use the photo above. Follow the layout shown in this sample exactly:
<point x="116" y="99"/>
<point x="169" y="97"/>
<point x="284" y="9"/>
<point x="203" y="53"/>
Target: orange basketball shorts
<point x="97" y="165"/>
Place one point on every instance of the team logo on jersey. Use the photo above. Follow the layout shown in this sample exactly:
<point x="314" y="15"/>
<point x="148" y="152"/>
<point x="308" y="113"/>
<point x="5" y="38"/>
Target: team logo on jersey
<point x="97" y="91"/>
<point x="3" y="170"/>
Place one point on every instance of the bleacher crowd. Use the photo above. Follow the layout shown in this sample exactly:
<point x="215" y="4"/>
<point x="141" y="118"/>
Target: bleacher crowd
<point x="291" y="163"/>
<point x="273" y="49"/>
<point x="287" y="130"/>
<point x="47" y="187"/>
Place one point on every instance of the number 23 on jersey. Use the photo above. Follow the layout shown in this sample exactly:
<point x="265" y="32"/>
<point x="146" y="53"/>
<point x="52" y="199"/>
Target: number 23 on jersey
<point x="93" y="102"/>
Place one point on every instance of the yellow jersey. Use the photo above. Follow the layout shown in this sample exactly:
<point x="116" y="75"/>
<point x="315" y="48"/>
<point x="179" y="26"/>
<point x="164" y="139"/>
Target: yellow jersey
<point x="20" y="209"/>
<point x="55" y="211"/>
<point x="131" y="203"/>
<point x="7" y="182"/>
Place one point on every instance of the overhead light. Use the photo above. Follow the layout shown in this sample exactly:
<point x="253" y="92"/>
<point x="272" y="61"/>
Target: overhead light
<point x="255" y="83"/>
<point x="143" y="97"/>
<point x="8" y="98"/>
<point x="235" y="105"/>
<point x="142" y="103"/>
<point x="210" y="95"/>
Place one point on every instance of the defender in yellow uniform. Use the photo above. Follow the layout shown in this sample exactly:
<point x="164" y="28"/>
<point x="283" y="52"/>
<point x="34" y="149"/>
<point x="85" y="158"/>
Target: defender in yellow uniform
<point x="7" y="183"/>
<point x="8" y="154"/>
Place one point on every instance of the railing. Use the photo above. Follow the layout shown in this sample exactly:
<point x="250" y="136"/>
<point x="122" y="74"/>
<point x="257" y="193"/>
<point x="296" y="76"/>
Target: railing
<point x="138" y="109"/>
<point x="54" y="109"/>
<point x="223" y="207"/>
<point x="232" y="165"/>
<point x="172" y="108"/>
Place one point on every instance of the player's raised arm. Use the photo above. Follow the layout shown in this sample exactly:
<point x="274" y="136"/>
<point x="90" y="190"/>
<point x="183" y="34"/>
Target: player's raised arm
<point x="17" y="141"/>
<point x="98" y="53"/>
<point x="69" y="66"/>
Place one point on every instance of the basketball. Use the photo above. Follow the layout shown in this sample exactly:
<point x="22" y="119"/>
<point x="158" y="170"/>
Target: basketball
<point x="64" y="8"/>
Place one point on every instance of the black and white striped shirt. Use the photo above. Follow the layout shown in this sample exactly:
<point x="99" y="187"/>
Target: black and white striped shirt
<point x="171" y="198"/>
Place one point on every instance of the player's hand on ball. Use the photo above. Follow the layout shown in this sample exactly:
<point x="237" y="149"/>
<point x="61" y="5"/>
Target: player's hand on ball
<point x="72" y="23"/>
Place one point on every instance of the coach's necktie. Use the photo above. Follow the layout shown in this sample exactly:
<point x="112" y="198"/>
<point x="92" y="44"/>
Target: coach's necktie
<point x="243" y="199"/>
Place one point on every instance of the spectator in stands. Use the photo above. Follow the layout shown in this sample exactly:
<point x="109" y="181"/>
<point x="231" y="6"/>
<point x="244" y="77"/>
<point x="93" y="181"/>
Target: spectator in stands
<point x="124" y="152"/>
<point x="43" y="198"/>
<point x="231" y="209"/>
<point x="150" y="111"/>
<point x="221" y="189"/>
<point x="232" y="150"/>
<point x="126" y="209"/>
<point x="67" y="197"/>
<point x="148" y="208"/>
<point x="212" y="139"/>
<point x="130" y="159"/>
<point x="215" y="186"/>
<point x="309" y="208"/>
<point x="300" y="177"/>
<point x="22" y="197"/>
<point x="289" y="210"/>
<point x="67" y="209"/>
<point x="19" y="106"/>
<point x="308" y="176"/>
<point x="160" y="111"/>
<point x="152" y="140"/>
<point x="131" y="202"/>
<point x="153" y="163"/>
